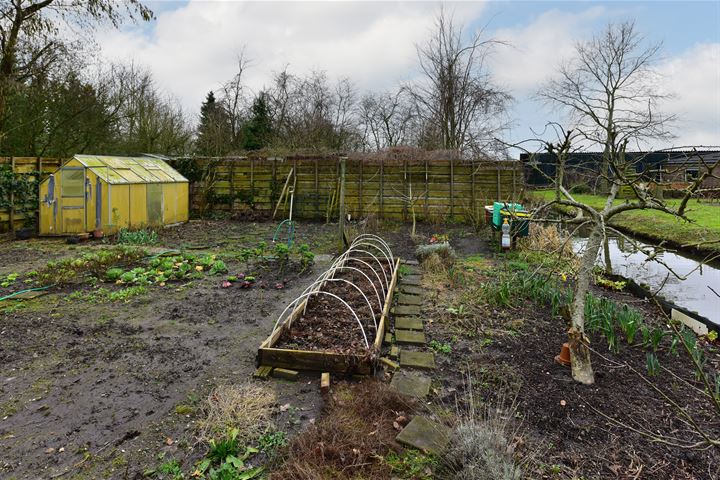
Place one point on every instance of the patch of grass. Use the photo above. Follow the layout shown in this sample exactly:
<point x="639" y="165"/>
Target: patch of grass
<point x="246" y="407"/>
<point x="705" y="225"/>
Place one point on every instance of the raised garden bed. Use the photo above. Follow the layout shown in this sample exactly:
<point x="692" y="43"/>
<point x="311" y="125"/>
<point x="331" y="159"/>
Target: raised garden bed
<point x="337" y="325"/>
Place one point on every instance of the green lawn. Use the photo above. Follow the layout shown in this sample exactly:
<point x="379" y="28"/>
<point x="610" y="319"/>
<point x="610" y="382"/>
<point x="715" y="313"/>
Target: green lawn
<point x="704" y="225"/>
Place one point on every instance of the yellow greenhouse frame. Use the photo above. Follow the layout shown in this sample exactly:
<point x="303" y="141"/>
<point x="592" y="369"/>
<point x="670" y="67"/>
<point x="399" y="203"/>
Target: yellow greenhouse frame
<point x="94" y="193"/>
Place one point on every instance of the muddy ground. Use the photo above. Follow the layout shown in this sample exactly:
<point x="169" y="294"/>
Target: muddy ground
<point x="90" y="389"/>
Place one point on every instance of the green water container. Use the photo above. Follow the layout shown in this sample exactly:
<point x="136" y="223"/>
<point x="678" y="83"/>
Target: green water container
<point x="497" y="219"/>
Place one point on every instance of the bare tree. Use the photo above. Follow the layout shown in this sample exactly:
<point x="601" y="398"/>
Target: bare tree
<point x="456" y="97"/>
<point x="386" y="118"/>
<point x="309" y="112"/>
<point x="610" y="91"/>
<point x="598" y="220"/>
<point x="235" y="100"/>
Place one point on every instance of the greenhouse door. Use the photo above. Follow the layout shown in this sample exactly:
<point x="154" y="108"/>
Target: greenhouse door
<point x="72" y="200"/>
<point x="154" y="203"/>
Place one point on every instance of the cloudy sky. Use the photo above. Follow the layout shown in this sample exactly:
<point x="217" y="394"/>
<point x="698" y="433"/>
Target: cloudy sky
<point x="192" y="47"/>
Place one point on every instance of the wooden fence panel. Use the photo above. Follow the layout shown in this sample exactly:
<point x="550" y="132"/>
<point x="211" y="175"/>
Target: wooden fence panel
<point x="441" y="188"/>
<point x="25" y="166"/>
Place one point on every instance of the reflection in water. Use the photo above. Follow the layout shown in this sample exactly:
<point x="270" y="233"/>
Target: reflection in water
<point x="692" y="293"/>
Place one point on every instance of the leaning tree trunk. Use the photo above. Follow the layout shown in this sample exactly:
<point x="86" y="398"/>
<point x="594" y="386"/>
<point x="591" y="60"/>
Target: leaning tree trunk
<point x="579" y="352"/>
<point x="606" y="255"/>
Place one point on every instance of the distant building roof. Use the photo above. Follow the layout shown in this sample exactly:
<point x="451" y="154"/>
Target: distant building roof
<point x="590" y="161"/>
<point x="126" y="170"/>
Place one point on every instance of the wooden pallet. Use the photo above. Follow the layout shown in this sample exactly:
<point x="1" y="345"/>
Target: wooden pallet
<point x="326" y="361"/>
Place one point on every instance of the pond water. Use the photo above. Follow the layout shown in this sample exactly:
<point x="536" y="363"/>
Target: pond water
<point x="693" y="293"/>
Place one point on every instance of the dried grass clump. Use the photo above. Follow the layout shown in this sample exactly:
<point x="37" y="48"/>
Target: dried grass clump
<point x="443" y="251"/>
<point x="484" y="442"/>
<point x="350" y="439"/>
<point x="246" y="407"/>
<point x="549" y="239"/>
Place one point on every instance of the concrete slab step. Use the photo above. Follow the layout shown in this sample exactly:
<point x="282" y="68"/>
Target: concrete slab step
<point x="409" y="323"/>
<point x="409" y="337"/>
<point x="412" y="289"/>
<point x="410" y="280"/>
<point x="425" y="435"/>
<point x="407" y="310"/>
<point x="422" y="360"/>
<point x="412" y="384"/>
<point x="405" y="299"/>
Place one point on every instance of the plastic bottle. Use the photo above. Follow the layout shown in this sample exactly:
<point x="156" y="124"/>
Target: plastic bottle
<point x="505" y="235"/>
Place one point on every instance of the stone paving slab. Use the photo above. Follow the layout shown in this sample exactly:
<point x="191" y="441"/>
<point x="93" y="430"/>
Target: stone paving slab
<point x="412" y="384"/>
<point x="409" y="323"/>
<point x="410" y="280"/>
<point x="407" y="310"/>
<point x="425" y="435"/>
<point x="412" y="289"/>
<point x="410" y="337"/>
<point x="411" y="359"/>
<point x="404" y="299"/>
<point x="411" y="262"/>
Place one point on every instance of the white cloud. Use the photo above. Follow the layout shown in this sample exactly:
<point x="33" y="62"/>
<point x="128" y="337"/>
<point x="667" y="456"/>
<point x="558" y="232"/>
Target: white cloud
<point x="694" y="79"/>
<point x="193" y="48"/>
<point x="536" y="49"/>
<point x="693" y="76"/>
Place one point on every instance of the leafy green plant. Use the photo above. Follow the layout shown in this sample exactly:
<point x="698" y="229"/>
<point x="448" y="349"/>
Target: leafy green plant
<point x="224" y="461"/>
<point x="629" y="321"/>
<point x="652" y="364"/>
<point x="8" y="280"/>
<point x="282" y="253"/>
<point x="218" y="266"/>
<point x="440" y="347"/>
<point x="270" y="441"/>
<point x="113" y="274"/>
<point x="307" y="258"/>
<point x="411" y="464"/>
<point x="137" y="237"/>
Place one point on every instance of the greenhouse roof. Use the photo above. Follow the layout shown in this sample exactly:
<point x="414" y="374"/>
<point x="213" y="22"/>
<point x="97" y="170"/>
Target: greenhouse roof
<point x="117" y="170"/>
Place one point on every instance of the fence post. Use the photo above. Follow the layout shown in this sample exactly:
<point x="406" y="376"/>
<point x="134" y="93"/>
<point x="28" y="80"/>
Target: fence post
<point x="273" y="185"/>
<point x="341" y="207"/>
<point x="11" y="211"/>
<point x="452" y="188"/>
<point x="473" y="201"/>
<point x="360" y="189"/>
<point x="382" y="189"/>
<point x="252" y="179"/>
<point x="406" y="184"/>
<point x="232" y="185"/>
<point x="317" y="187"/>
<point x="427" y="191"/>
<point x="497" y="171"/>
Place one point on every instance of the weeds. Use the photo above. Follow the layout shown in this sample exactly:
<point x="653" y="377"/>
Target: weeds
<point x="270" y="441"/>
<point x="411" y="464"/>
<point x="440" y="347"/>
<point x="137" y="237"/>
<point x="93" y="264"/>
